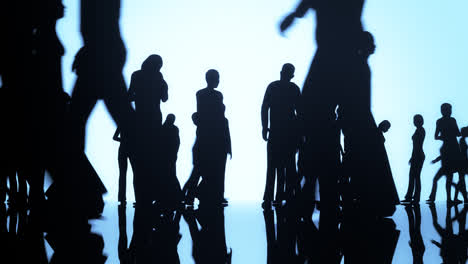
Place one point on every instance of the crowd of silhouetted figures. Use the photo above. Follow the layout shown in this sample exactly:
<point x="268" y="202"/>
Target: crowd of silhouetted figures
<point x="44" y="130"/>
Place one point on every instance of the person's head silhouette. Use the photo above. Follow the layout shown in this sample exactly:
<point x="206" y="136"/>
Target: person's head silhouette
<point x="212" y="78"/>
<point x="152" y="63"/>
<point x="170" y="119"/>
<point x="464" y="132"/>
<point x="418" y="120"/>
<point x="446" y="109"/>
<point x="367" y="44"/>
<point x="384" y="126"/>
<point x="287" y="72"/>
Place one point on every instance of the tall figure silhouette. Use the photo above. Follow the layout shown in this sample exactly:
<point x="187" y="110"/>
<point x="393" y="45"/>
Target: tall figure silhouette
<point x="98" y="66"/>
<point x="447" y="131"/>
<point x="212" y="144"/>
<point x="148" y="89"/>
<point x="280" y="129"/>
<point x="413" y="194"/>
<point x="340" y="76"/>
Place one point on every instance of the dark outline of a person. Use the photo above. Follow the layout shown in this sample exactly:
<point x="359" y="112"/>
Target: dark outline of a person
<point x="416" y="241"/>
<point x="280" y="130"/>
<point x="413" y="194"/>
<point x="340" y="76"/>
<point x="212" y="145"/>
<point x="147" y="89"/>
<point x="208" y="240"/>
<point x="123" y="158"/>
<point x="170" y="143"/>
<point x="447" y="131"/>
<point x="464" y="161"/>
<point x="453" y="247"/>
<point x="98" y="66"/>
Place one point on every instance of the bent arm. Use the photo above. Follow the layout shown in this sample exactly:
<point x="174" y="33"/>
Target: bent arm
<point x="116" y="135"/>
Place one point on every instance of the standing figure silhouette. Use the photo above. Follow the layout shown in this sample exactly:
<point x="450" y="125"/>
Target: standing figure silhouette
<point x="447" y="131"/>
<point x="148" y="89"/>
<point x="340" y="76"/>
<point x="123" y="158"/>
<point x="413" y="194"/>
<point x="280" y="129"/>
<point x="170" y="143"/>
<point x="212" y="145"/>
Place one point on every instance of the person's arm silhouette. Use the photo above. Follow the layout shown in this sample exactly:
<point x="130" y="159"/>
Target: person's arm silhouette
<point x="116" y="136"/>
<point x="164" y="88"/>
<point x="300" y="11"/>
<point x="265" y="108"/>
<point x="436" y="160"/>
<point x="131" y="90"/>
<point x="437" y="135"/>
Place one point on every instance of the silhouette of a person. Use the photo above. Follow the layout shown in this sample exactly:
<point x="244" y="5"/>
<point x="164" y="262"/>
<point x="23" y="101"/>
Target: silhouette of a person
<point x="212" y="144"/>
<point x="413" y="194"/>
<point x="464" y="160"/>
<point x="416" y="241"/>
<point x="447" y="131"/>
<point x="148" y="89"/>
<point x="452" y="246"/>
<point x="208" y="234"/>
<point x="98" y="66"/>
<point x="123" y="156"/>
<point x="280" y="129"/>
<point x="337" y="35"/>
<point x="170" y="147"/>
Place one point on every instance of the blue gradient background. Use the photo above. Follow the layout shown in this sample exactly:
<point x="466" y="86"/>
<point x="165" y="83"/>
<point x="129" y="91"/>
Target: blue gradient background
<point x="420" y="62"/>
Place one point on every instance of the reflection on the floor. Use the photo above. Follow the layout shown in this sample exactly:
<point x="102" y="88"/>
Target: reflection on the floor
<point x="240" y="233"/>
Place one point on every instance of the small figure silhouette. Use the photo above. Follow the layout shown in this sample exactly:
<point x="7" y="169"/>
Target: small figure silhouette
<point x="123" y="158"/>
<point x="413" y="194"/>
<point x="280" y="129"/>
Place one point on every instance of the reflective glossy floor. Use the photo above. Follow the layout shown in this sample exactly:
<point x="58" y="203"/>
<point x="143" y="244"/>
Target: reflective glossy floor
<point x="245" y="233"/>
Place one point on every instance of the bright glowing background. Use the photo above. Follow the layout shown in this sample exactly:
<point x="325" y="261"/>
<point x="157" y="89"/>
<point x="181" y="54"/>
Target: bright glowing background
<point x="420" y="62"/>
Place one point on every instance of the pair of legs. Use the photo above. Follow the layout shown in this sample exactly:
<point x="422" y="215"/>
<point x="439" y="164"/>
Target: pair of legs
<point x="84" y="99"/>
<point x="283" y="167"/>
<point x="414" y="185"/>
<point x="123" y="165"/>
<point x="448" y="184"/>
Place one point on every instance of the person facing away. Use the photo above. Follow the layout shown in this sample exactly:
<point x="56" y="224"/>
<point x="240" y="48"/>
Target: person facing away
<point x="413" y="194"/>
<point x="213" y="141"/>
<point x="280" y="130"/>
